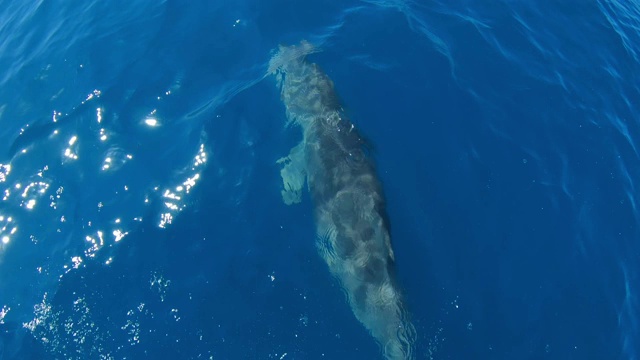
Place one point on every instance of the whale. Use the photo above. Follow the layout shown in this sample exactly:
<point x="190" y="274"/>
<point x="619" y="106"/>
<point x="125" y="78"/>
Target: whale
<point x="334" y="161"/>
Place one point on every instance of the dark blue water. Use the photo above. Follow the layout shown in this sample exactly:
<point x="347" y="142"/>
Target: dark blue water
<point x="146" y="221"/>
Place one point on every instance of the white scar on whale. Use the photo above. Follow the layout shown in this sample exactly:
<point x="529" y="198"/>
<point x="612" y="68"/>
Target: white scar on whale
<point x="352" y="229"/>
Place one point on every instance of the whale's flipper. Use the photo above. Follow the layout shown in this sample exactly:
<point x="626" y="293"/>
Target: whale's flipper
<point x="293" y="175"/>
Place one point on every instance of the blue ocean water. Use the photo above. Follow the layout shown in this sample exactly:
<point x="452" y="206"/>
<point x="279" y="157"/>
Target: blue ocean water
<point x="141" y="214"/>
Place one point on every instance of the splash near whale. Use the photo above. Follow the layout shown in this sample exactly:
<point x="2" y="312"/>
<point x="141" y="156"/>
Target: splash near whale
<point x="352" y="230"/>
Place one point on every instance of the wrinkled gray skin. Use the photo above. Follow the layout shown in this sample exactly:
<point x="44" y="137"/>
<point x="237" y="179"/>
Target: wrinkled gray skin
<point x="352" y="230"/>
